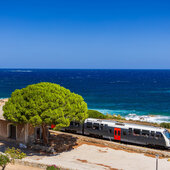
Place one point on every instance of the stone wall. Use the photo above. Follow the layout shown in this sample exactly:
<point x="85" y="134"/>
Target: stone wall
<point x="21" y="136"/>
<point x="3" y="128"/>
<point x="24" y="132"/>
<point x="31" y="133"/>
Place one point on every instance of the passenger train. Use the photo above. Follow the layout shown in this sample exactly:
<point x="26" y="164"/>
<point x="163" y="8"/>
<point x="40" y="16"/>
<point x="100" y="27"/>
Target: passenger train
<point x="124" y="132"/>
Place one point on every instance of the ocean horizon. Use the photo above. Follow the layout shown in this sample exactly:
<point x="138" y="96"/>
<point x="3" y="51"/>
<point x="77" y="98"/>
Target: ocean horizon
<point x="132" y="93"/>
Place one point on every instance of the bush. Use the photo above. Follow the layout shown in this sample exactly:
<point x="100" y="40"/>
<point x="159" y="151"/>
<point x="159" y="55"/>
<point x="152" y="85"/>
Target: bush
<point x="15" y="153"/>
<point x="118" y="117"/>
<point x="96" y="114"/>
<point x="52" y="167"/>
<point x="99" y="115"/>
<point x="165" y="125"/>
<point x="4" y="160"/>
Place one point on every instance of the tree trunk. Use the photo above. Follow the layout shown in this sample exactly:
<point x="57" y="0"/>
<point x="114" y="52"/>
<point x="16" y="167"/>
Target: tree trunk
<point x="3" y="168"/>
<point x="44" y="133"/>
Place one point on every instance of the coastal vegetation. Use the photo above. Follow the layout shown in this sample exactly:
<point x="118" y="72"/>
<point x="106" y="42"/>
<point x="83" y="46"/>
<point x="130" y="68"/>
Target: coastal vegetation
<point x="165" y="125"/>
<point x="52" y="167"/>
<point x="4" y="160"/>
<point x="15" y="153"/>
<point x="44" y="104"/>
<point x="10" y="156"/>
<point x="98" y="115"/>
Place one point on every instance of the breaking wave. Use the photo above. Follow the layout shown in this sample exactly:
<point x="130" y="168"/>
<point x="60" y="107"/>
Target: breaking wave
<point x="148" y="118"/>
<point x="135" y="115"/>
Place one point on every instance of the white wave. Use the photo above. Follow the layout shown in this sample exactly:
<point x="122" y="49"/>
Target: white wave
<point x="105" y="111"/>
<point x="148" y="118"/>
<point x="134" y="115"/>
<point x="121" y="112"/>
<point x="21" y="71"/>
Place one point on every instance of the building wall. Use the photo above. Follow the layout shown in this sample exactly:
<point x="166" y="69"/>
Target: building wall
<point x="21" y="132"/>
<point x="3" y="128"/>
<point x="31" y="133"/>
<point x="24" y="132"/>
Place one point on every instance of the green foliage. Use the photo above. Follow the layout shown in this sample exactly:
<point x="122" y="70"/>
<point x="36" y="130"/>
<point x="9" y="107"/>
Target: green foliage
<point x="96" y="114"/>
<point x="4" y="160"/>
<point x="99" y="115"/>
<point x="52" y="167"/>
<point x="15" y="153"/>
<point x="117" y="117"/>
<point x="165" y="125"/>
<point x="45" y="104"/>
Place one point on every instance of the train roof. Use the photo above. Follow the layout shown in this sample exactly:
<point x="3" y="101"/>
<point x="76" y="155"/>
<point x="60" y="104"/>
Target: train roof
<point x="117" y="124"/>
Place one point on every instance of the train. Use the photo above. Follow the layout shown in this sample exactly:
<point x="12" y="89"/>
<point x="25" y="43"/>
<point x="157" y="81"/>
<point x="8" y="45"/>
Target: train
<point x="123" y="132"/>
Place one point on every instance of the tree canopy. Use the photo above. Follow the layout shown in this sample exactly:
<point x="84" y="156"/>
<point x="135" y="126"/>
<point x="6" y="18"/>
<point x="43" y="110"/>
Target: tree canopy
<point x="45" y="104"/>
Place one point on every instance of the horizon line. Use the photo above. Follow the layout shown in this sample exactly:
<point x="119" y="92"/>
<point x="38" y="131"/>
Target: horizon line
<point x="85" y="68"/>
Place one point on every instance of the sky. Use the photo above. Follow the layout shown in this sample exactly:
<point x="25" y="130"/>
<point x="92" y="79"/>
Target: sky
<point x="85" y="34"/>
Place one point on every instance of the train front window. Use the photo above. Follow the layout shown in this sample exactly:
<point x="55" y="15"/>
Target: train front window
<point x="167" y="134"/>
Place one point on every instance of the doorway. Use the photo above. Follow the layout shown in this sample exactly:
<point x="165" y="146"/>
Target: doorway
<point x="117" y="133"/>
<point x="12" y="131"/>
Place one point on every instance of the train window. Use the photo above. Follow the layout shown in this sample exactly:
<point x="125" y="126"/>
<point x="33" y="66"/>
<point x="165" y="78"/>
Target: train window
<point x="136" y="131"/>
<point x="152" y="133"/>
<point x="158" y="134"/>
<point x="115" y="132"/>
<point x="167" y="134"/>
<point x="145" y="133"/>
<point x="71" y="123"/>
<point x="89" y="125"/>
<point x="77" y="124"/>
<point x="101" y="126"/>
<point x="130" y="131"/>
<point x="118" y="133"/>
<point x="95" y="126"/>
<point x="124" y="132"/>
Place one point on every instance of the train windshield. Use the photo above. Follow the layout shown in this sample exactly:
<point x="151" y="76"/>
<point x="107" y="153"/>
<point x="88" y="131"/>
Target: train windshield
<point x="167" y="134"/>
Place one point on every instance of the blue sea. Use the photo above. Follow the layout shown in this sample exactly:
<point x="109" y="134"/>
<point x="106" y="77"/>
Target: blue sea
<point x="133" y="94"/>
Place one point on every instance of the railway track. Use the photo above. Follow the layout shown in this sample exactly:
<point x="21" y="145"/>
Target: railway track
<point x="117" y="145"/>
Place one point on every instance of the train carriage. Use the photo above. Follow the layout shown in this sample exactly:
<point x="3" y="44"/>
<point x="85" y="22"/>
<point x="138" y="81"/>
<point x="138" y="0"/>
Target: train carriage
<point x="125" y="132"/>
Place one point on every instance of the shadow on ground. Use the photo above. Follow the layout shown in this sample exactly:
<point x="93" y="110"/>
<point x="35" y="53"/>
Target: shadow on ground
<point x="60" y="143"/>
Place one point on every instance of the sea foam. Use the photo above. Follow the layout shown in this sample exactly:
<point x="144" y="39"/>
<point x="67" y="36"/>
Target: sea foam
<point x="134" y="115"/>
<point x="148" y="118"/>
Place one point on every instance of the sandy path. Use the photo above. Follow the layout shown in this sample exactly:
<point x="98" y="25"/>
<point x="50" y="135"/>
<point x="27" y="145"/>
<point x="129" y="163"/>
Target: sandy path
<point x="20" y="167"/>
<point x="94" y="157"/>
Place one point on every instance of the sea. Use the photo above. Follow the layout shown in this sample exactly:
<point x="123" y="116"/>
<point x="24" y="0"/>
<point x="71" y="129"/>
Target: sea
<point x="134" y="94"/>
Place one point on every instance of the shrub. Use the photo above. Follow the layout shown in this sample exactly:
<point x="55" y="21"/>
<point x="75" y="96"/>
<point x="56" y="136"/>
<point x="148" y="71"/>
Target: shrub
<point x="118" y="117"/>
<point x="165" y="125"/>
<point x="4" y="160"/>
<point x="96" y="114"/>
<point x="15" y="153"/>
<point x="52" y="167"/>
<point x="99" y="115"/>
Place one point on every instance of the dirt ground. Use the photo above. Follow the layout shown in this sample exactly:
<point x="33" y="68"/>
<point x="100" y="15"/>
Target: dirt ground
<point x="91" y="157"/>
<point x="20" y="167"/>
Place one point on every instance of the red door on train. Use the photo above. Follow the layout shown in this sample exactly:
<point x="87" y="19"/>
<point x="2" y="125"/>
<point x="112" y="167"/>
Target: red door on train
<point x="117" y="133"/>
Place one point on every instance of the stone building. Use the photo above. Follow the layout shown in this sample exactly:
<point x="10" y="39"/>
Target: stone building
<point x="23" y="133"/>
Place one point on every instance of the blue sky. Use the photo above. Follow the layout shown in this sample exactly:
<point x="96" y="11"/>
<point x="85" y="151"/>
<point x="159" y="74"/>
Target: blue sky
<point x="109" y="34"/>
